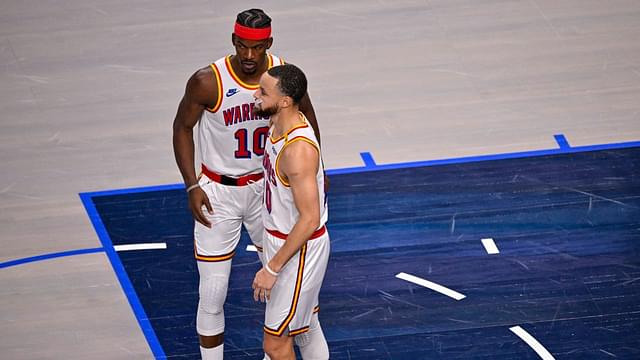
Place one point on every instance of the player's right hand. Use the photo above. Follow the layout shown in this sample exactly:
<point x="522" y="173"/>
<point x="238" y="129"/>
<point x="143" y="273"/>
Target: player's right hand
<point x="197" y="199"/>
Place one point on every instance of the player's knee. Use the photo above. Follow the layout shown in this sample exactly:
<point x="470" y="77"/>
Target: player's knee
<point x="302" y="340"/>
<point x="213" y="293"/>
<point x="275" y="351"/>
<point x="312" y="344"/>
<point x="278" y="348"/>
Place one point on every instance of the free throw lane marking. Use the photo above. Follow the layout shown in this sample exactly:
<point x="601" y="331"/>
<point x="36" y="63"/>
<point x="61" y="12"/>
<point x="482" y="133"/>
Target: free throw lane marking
<point x="532" y="342"/>
<point x="146" y="246"/>
<point x="490" y="246"/>
<point x="431" y="285"/>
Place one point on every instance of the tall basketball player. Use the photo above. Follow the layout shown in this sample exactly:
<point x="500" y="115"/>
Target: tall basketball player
<point x="231" y="139"/>
<point x="296" y="243"/>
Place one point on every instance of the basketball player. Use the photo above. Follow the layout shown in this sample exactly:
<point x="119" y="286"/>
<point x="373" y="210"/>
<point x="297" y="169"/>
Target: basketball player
<point x="296" y="243"/>
<point x="231" y="141"/>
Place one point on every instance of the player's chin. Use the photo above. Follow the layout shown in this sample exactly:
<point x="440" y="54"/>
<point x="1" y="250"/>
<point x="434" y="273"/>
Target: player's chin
<point x="261" y="113"/>
<point x="249" y="70"/>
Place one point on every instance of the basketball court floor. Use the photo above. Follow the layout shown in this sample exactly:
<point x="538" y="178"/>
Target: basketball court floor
<point x="484" y="159"/>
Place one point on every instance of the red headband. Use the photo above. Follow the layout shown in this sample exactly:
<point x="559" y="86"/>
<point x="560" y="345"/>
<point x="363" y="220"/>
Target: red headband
<point x="251" y="33"/>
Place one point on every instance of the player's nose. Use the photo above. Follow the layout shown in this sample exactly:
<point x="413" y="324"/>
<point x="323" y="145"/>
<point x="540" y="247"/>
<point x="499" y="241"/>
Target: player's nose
<point x="250" y="54"/>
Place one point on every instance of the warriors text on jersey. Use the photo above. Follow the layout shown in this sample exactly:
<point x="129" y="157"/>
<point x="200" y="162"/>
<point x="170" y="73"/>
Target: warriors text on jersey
<point x="279" y="212"/>
<point x="231" y="138"/>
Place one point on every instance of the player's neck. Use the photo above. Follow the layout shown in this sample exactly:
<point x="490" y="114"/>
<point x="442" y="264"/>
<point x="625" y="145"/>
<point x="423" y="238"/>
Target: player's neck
<point x="285" y="120"/>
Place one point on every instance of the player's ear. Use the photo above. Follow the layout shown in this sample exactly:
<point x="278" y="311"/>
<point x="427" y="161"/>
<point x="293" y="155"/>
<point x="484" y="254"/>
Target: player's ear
<point x="269" y="43"/>
<point x="233" y="39"/>
<point x="287" y="101"/>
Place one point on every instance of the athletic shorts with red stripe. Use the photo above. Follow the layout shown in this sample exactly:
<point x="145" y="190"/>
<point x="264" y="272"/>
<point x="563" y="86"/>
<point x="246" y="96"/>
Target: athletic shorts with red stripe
<point x="294" y="297"/>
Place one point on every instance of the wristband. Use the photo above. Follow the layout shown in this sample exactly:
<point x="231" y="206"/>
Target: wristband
<point x="266" y="267"/>
<point x="193" y="187"/>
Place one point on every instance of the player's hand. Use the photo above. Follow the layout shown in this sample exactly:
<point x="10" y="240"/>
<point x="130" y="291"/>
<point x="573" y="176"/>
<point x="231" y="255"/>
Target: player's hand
<point x="197" y="199"/>
<point x="262" y="285"/>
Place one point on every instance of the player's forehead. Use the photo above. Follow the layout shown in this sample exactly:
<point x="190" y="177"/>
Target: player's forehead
<point x="268" y="82"/>
<point x="251" y="43"/>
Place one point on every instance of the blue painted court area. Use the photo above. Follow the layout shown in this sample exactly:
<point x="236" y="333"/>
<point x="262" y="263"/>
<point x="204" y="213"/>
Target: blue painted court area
<point x="567" y="227"/>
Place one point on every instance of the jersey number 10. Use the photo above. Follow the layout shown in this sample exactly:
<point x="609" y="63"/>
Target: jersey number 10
<point x="259" y="142"/>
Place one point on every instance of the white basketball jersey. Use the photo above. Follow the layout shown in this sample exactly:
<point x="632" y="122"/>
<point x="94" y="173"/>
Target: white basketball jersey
<point x="231" y="138"/>
<point x="279" y="211"/>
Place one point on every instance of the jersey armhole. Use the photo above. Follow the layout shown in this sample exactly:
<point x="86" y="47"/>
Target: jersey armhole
<point x="289" y="142"/>
<point x="218" y="80"/>
<point x="272" y="63"/>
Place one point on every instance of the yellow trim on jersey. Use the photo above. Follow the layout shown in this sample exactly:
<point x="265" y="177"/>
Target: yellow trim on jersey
<point x="296" y="296"/>
<point x="216" y="74"/>
<point x="288" y="142"/>
<point x="235" y="77"/>
<point x="303" y="125"/>
<point x="299" y="331"/>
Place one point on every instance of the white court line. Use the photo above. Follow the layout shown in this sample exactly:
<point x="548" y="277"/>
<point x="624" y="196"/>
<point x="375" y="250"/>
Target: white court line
<point x="490" y="246"/>
<point x="431" y="285"/>
<point x="147" y="246"/>
<point x="251" y="248"/>
<point x="532" y="342"/>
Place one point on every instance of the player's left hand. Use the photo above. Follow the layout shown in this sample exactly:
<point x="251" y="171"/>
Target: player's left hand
<point x="262" y="285"/>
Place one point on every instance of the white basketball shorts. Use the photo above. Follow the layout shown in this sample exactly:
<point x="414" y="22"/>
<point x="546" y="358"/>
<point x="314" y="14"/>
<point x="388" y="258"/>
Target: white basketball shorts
<point x="232" y="206"/>
<point x="294" y="297"/>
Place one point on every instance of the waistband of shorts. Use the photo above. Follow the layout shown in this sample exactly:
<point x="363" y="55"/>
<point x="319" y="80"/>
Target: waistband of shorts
<point x="316" y="234"/>
<point x="231" y="181"/>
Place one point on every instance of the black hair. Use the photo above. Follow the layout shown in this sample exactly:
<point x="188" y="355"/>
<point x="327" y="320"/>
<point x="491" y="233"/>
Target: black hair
<point x="254" y="18"/>
<point x="291" y="81"/>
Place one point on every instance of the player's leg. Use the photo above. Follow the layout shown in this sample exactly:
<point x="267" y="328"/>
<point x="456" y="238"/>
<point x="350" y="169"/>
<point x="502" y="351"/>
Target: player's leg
<point x="294" y="296"/>
<point x="283" y="302"/>
<point x="253" y="216"/>
<point x="215" y="247"/>
<point x="214" y="279"/>
<point x="279" y="347"/>
<point x="312" y="344"/>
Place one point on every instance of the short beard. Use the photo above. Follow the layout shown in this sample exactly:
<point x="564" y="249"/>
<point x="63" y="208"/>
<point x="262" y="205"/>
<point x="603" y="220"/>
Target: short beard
<point x="250" y="72"/>
<point x="265" y="113"/>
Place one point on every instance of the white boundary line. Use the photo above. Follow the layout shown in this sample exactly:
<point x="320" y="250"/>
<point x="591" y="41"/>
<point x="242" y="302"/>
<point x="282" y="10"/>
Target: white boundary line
<point x="532" y="342"/>
<point x="490" y="246"/>
<point x="146" y="246"/>
<point x="431" y="285"/>
<point x="252" y="248"/>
